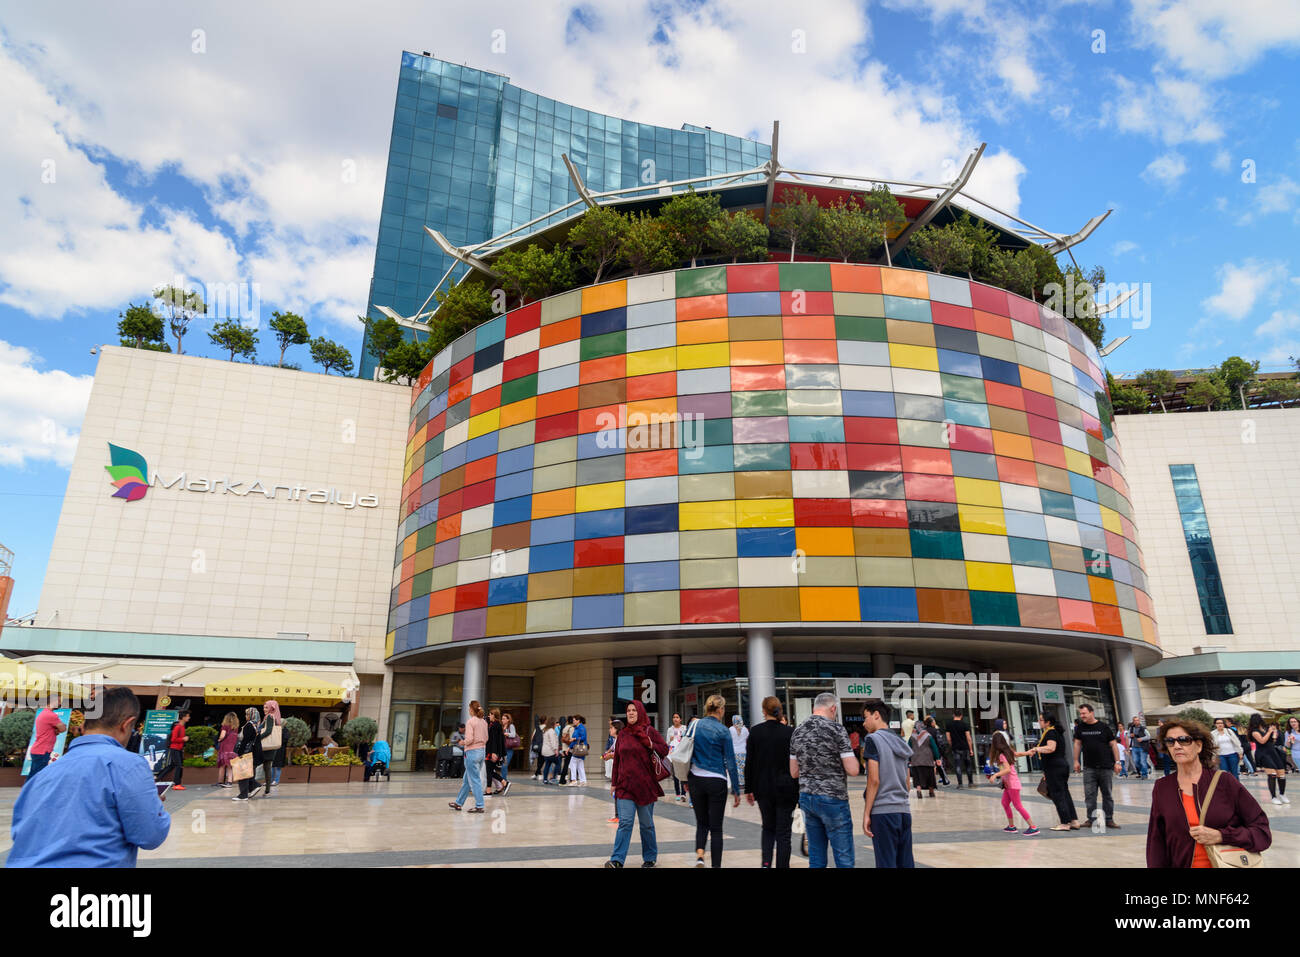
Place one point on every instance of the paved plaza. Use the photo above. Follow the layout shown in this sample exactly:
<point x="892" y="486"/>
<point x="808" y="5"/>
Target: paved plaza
<point x="405" y="822"/>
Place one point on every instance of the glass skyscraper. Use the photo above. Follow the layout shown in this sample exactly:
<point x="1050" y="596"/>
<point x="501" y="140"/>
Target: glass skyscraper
<point x="473" y="156"/>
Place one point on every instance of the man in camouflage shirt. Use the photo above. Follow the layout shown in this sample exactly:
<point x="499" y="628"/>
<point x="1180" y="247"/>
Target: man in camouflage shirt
<point x="822" y="759"/>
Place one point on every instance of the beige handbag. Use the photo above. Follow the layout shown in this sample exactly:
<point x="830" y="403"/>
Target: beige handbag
<point x="1225" y="855"/>
<point x="241" y="767"/>
<point x="272" y="741"/>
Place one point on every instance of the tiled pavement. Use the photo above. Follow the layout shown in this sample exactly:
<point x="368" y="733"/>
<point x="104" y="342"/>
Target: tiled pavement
<point x="405" y="822"/>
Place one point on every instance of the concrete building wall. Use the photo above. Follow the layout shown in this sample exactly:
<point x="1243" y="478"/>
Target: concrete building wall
<point x="1246" y="467"/>
<point x="220" y="563"/>
<point x="583" y="687"/>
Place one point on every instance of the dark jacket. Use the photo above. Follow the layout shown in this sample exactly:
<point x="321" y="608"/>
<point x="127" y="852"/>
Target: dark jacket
<point x="250" y="741"/>
<point x="634" y="780"/>
<point x="767" y="763"/>
<point x="496" y="743"/>
<point x="1232" y="810"/>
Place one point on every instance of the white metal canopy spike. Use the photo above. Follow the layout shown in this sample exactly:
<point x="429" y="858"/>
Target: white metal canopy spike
<point x="1063" y="243"/>
<point x="457" y="252"/>
<point x="940" y="202"/>
<point x="577" y="182"/>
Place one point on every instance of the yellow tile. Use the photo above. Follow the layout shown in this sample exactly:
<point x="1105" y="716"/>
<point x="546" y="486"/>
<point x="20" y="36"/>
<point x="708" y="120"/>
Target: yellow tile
<point x="825" y="541"/>
<point x="972" y="491"/>
<point x="913" y="357"/>
<point x="989" y="576"/>
<point x="1078" y="462"/>
<point x="982" y="518"/>
<point x="703" y="357"/>
<point x="1110" y="520"/>
<point x="765" y="513"/>
<point x="652" y="361"/>
<point x="485" y="422"/>
<point x="551" y="504"/>
<point x="593" y="498"/>
<point x="525" y="410"/>
<point x="694" y="516"/>
<point x="608" y="295"/>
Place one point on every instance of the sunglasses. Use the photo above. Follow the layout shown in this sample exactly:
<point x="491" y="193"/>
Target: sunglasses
<point x="1181" y="739"/>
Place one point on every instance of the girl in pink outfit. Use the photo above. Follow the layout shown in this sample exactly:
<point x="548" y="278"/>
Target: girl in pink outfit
<point x="1002" y="757"/>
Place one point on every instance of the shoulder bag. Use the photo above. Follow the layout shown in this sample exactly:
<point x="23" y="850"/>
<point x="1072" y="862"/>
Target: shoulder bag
<point x="241" y="768"/>
<point x="1225" y="855"/>
<point x="1042" y="782"/>
<point x="680" y="756"/>
<point x="272" y="741"/>
<point x="659" y="767"/>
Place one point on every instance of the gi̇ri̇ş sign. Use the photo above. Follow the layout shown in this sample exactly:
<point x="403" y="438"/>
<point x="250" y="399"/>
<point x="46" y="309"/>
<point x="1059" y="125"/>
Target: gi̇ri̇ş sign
<point x="130" y="475"/>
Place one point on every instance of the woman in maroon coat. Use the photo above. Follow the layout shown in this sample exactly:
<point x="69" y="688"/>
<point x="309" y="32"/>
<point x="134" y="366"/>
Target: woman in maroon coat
<point x="1176" y="836"/>
<point x="636" y="787"/>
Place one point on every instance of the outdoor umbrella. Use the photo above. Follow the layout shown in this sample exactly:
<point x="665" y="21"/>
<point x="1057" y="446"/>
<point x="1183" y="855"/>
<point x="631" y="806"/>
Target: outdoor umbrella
<point x="1276" y="696"/>
<point x="1215" y="709"/>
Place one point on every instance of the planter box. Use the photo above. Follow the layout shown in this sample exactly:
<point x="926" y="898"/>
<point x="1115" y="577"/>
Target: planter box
<point x="194" y="777"/>
<point x="329" y="775"/>
<point x="11" y="777"/>
<point x="294" y="774"/>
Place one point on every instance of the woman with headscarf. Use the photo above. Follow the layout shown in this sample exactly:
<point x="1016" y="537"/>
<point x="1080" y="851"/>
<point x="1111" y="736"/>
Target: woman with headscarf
<point x="636" y="784"/>
<point x="271" y="741"/>
<point x="250" y="742"/>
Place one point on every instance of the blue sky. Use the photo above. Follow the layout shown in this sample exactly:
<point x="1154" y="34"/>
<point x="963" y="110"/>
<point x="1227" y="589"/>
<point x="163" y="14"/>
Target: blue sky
<point x="247" y="145"/>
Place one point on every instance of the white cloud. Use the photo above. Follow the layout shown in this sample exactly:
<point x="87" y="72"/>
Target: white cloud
<point x="40" y="410"/>
<point x="1281" y="321"/>
<point x="1222" y="161"/>
<point x="1241" y="286"/>
<point x="1166" y="170"/>
<point x="1168" y="108"/>
<point x="1216" y="39"/>
<point x="1122" y="247"/>
<point x="1277" y="196"/>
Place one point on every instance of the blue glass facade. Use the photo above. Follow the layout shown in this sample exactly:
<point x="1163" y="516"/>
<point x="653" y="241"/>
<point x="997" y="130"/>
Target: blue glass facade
<point x="1200" y="548"/>
<point x="473" y="156"/>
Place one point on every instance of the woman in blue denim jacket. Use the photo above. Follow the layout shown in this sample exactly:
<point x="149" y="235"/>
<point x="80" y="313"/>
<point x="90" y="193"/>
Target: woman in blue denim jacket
<point x="713" y="760"/>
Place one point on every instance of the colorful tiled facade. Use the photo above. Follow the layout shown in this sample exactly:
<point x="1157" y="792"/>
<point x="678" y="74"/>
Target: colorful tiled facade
<point x="769" y="443"/>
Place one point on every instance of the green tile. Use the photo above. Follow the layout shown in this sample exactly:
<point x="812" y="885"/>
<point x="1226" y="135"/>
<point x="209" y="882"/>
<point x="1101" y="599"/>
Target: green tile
<point x="1097" y="563"/>
<point x="861" y="328"/>
<point x="716" y="432"/>
<point x="709" y="281"/>
<point x="601" y="347"/>
<point x="962" y="387"/>
<point x="994" y="608"/>
<point x="758" y="403"/>
<point x="762" y="456"/>
<point x="814" y="277"/>
<point x="517" y="389"/>
<point x="421" y="583"/>
<point x="932" y="544"/>
<point x="426" y="536"/>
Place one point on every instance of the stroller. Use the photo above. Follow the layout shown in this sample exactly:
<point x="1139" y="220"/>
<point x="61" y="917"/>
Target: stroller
<point x="377" y="761"/>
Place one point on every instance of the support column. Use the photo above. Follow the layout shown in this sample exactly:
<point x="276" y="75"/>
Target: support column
<point x="670" y="678"/>
<point x="1127" y="691"/>
<point x="475" y="686"/>
<point x="882" y="666"/>
<point x="762" y="672"/>
<point x="385" y="702"/>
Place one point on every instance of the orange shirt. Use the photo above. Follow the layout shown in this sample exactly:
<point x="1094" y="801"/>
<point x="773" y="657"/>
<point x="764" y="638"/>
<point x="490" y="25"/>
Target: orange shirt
<point x="1199" y="857"/>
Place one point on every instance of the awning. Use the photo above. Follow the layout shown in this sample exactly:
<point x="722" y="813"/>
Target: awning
<point x="285" y="686"/>
<point x="18" y="678"/>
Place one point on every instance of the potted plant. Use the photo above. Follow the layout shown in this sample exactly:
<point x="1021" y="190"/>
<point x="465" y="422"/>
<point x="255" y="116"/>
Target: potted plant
<point x="15" y="733"/>
<point x="295" y="734"/>
<point x="200" y="765"/>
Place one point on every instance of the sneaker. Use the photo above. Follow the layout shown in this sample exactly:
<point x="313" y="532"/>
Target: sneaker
<point x="1277" y="801"/>
<point x="240" y="797"/>
<point x="647" y="863"/>
<point x="1112" y="825"/>
<point x="227" y="785"/>
<point x="505" y="787"/>
<point x="1285" y="799"/>
<point x="255" y="791"/>
<point x="611" y="820"/>
<point x="178" y="787"/>
<point x="699" y="862"/>
<point x="614" y="864"/>
<point x="1030" y="831"/>
<point x="1010" y="829"/>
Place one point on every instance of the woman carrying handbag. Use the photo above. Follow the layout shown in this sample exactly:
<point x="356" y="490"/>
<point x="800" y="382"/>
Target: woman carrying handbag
<point x="271" y="739"/>
<point x="248" y="755"/>
<point x="637" y="773"/>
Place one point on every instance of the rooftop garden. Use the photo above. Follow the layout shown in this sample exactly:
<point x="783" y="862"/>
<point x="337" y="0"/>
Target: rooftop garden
<point x="691" y="229"/>
<point x="1233" y="384"/>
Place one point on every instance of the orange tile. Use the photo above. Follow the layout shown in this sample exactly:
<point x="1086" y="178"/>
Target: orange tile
<point x="602" y="370"/>
<point x="550" y="504"/>
<point x="1006" y="396"/>
<point x="701" y="307"/>
<point x="565" y="330"/>
<point x="608" y="295"/>
<point x="652" y="386"/>
<point x="600" y="418"/>
<point x="553" y="403"/>
<point x="651" y="464"/>
<point x="442" y="602"/>
<point x="480" y="470"/>
<point x="448" y="528"/>
<point x="763" y="353"/>
<point x="1012" y="445"/>
<point x="1035" y="380"/>
<point x="1103" y="590"/>
<point x="460" y="391"/>
<point x="646" y="410"/>
<point x="702" y="330"/>
<point x="811" y="351"/>
<point x="525" y="410"/>
<point x="485" y="401"/>
<point x="990" y="324"/>
<point x="1077" y="615"/>
<point x="1109" y="621"/>
<point x="926" y="460"/>
<point x="904" y="282"/>
<point x="829" y="604"/>
<point x="825" y="541"/>
<point x="808" y="327"/>
<point x="1017" y="472"/>
<point x="756" y="378"/>
<point x="851" y="277"/>
<point x="1048" y="453"/>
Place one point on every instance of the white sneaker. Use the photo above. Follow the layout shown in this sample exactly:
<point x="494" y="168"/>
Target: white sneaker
<point x="1285" y="799"/>
<point x="1277" y="801"/>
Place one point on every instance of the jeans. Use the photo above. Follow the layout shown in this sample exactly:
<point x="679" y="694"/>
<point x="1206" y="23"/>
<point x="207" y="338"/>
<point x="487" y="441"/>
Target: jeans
<point x="963" y="760"/>
<point x="1057" y="774"/>
<point x="1166" y="763"/>
<point x="1140" y="760"/>
<point x="39" y="762"/>
<point x="679" y="786"/>
<point x="473" y="780"/>
<point x="550" y="763"/>
<point x="645" y="814"/>
<point x="709" y="796"/>
<point x="777" y="815"/>
<point x="740" y="768"/>
<point x="891" y="840"/>
<point x="505" y="765"/>
<point x="1229" y="763"/>
<point x="1094" y="778"/>
<point x="827" y="819"/>
<point x="1245" y="763"/>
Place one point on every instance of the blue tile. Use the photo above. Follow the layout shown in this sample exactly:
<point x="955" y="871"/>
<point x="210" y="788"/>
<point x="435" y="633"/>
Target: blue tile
<point x="598" y="524"/>
<point x="913" y="310"/>
<point x="550" y="558"/>
<point x="651" y="576"/>
<point x="481" y="447"/>
<point x="512" y="510"/>
<point x="765" y="542"/>
<point x="595" y="444"/>
<point x="545" y="531"/>
<point x="644" y="519"/>
<point x="1000" y="370"/>
<point x="597" y="611"/>
<point x="515" y="460"/>
<point x="876" y="405"/>
<point x="600" y="323"/>
<point x="888" y="604"/>
<point x="754" y="304"/>
<point x="508" y="591"/>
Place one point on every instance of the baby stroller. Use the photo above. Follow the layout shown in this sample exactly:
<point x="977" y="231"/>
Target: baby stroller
<point x="378" y="760"/>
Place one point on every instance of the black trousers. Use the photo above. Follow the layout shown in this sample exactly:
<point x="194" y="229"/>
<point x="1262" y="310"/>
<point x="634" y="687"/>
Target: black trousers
<point x="175" y="766"/>
<point x="564" y="768"/>
<point x="709" y="796"/>
<point x="1057" y="774"/>
<point x="493" y="773"/>
<point x="778" y="816"/>
<point x="963" y="760"/>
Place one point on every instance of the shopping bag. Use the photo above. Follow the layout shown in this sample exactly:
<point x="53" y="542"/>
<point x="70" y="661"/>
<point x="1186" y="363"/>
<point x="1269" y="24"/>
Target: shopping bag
<point x="241" y="768"/>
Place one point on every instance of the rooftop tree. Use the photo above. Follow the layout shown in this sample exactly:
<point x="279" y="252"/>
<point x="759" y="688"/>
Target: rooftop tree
<point x="330" y="355"/>
<point x="1282" y="391"/>
<point x="983" y="248"/>
<point x="460" y="308"/>
<point x="237" y="339"/>
<point x="142" y="328"/>
<point x="686" y="219"/>
<point x="1157" y="382"/>
<point x="645" y="246"/>
<point x="382" y="335"/>
<point x="178" y="308"/>
<point x="599" y="238"/>
<point x="1127" y="398"/>
<point x="1239" y="377"/>
<point x="1208" y="391"/>
<point x="888" y="211"/>
<point x="290" y="330"/>
<point x="738" y="235"/>
<point x="944" y="248"/>
<point x="849" y="232"/>
<point x="795" y="220"/>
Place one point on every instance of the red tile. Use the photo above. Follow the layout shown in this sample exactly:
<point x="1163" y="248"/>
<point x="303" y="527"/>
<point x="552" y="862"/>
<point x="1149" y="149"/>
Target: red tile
<point x="807" y="303"/>
<point x="946" y="314"/>
<point x="523" y="319"/>
<point x="1016" y="471"/>
<point x="812" y="350"/>
<point x="462" y="369"/>
<point x="929" y="488"/>
<point x="823" y="512"/>
<point x="874" y="458"/>
<point x="988" y="299"/>
<point x="1040" y="404"/>
<point x="1048" y="453"/>
<point x="877" y="512"/>
<point x="818" y="455"/>
<point x="872" y="431"/>
<point x="519" y="366"/>
<point x="485" y="401"/>
<point x="657" y="386"/>
<point x="926" y="460"/>
<point x="1006" y="396"/>
<point x="460" y="391"/>
<point x="970" y="438"/>
<point x="598" y="551"/>
<point x="1024" y="310"/>
<point x="481" y="494"/>
<point x="756" y="378"/>
<point x="650" y="464"/>
<point x="473" y="595"/>
<point x="556" y="427"/>
<point x="1077" y="615"/>
<point x="451" y="504"/>
<point x="1044" y="428"/>
<point x="708" y="605"/>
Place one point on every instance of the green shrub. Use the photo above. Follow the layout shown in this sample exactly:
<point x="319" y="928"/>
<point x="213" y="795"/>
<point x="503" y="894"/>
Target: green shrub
<point x="201" y="738"/>
<point x="197" y="761"/>
<point x="295" y="733"/>
<point x="1196" y="714"/>
<point x="360" y="731"/>
<point x="15" y="733"/>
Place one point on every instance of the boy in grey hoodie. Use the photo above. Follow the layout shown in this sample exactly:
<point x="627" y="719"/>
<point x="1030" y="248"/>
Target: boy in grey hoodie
<point x="887" y="816"/>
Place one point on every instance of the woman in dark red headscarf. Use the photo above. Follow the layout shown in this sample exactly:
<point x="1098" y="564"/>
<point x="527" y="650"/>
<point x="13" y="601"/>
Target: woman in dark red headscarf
<point x="636" y="784"/>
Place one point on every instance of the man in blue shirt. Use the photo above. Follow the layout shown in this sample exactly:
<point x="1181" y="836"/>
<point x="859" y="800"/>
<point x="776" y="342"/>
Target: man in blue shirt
<point x="97" y="805"/>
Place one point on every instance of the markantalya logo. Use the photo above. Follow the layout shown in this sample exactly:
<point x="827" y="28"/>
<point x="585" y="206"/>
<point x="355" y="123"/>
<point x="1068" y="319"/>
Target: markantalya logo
<point x="129" y="472"/>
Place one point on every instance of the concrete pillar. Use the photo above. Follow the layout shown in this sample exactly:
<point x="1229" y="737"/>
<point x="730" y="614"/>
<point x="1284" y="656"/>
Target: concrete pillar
<point x="882" y="666"/>
<point x="1124" y="673"/>
<point x="762" y="672"/>
<point x="475" y="686"/>
<point x="385" y="703"/>
<point x="670" y="678"/>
